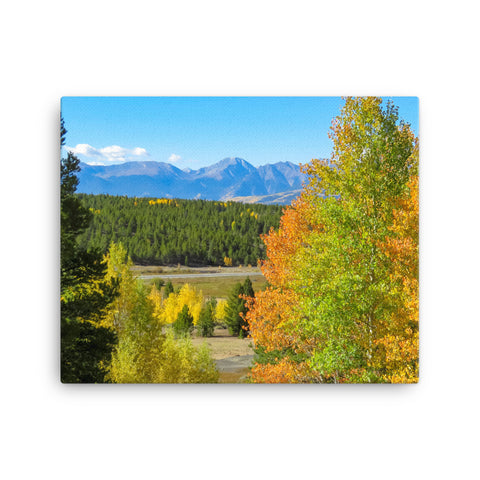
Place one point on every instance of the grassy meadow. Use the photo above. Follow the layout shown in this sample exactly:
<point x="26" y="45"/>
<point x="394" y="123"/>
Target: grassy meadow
<point x="218" y="287"/>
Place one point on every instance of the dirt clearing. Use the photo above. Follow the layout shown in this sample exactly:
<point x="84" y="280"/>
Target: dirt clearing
<point x="233" y="355"/>
<point x="223" y="345"/>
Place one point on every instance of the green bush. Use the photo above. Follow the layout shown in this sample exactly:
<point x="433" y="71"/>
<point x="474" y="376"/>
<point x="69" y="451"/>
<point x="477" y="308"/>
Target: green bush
<point x="168" y="289"/>
<point x="159" y="283"/>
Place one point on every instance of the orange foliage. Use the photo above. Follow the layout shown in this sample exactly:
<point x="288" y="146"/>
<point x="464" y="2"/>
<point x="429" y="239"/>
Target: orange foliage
<point x="284" y="243"/>
<point x="271" y="312"/>
<point x="285" y="371"/>
<point x="401" y="343"/>
<point x="268" y="315"/>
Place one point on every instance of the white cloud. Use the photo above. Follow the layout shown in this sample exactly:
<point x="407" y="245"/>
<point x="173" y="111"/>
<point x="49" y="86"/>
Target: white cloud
<point x="84" y="149"/>
<point x="110" y="155"/>
<point x="138" y="151"/>
<point x="174" y="158"/>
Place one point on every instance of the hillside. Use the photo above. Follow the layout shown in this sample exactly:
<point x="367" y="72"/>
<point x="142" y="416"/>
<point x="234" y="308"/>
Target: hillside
<point x="170" y="231"/>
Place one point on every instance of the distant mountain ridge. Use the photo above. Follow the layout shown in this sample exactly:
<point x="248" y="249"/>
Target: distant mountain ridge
<point x="224" y="180"/>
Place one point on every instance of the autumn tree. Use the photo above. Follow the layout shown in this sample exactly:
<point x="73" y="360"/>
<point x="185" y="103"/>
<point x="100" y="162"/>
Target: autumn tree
<point x="118" y="268"/>
<point x="221" y="311"/>
<point x="140" y="343"/>
<point x="338" y="274"/>
<point x="401" y="342"/>
<point x="131" y="316"/>
<point x="181" y="362"/>
<point x="343" y="270"/>
<point x="280" y="355"/>
<point x="186" y="295"/>
<point x="155" y="297"/>
<point x="146" y="351"/>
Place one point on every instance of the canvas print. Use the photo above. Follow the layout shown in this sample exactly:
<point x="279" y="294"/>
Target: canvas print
<point x="239" y="240"/>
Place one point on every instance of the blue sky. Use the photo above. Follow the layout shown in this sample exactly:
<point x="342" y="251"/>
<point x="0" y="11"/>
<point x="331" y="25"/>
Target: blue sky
<point x="197" y="131"/>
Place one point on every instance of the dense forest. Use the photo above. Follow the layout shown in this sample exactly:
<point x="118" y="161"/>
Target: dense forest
<point x="171" y="231"/>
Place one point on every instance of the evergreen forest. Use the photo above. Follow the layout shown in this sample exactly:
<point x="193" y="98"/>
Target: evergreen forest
<point x="174" y="231"/>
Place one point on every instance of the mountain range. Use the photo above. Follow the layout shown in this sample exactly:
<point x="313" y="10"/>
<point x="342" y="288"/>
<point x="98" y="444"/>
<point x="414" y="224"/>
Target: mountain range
<point x="231" y="178"/>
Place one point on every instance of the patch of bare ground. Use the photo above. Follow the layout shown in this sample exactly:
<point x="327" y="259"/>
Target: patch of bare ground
<point x="238" y="376"/>
<point x="223" y="345"/>
<point x="233" y="355"/>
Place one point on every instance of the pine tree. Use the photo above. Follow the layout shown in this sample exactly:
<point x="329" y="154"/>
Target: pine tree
<point x="236" y="308"/>
<point x="206" y="322"/>
<point x="85" y="294"/>
<point x="184" y="324"/>
<point x="248" y="292"/>
<point x="233" y="309"/>
<point x="168" y="289"/>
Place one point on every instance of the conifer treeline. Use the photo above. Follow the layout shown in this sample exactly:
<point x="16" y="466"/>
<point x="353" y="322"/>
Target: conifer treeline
<point x="171" y="231"/>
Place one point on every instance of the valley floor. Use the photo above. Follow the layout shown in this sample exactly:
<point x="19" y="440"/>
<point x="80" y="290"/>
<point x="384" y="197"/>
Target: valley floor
<point x="232" y="355"/>
<point x="215" y="282"/>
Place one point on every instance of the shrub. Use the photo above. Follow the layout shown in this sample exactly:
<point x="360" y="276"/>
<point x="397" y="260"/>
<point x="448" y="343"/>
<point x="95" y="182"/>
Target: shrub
<point x="158" y="282"/>
<point x="168" y="289"/>
<point x="183" y="363"/>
